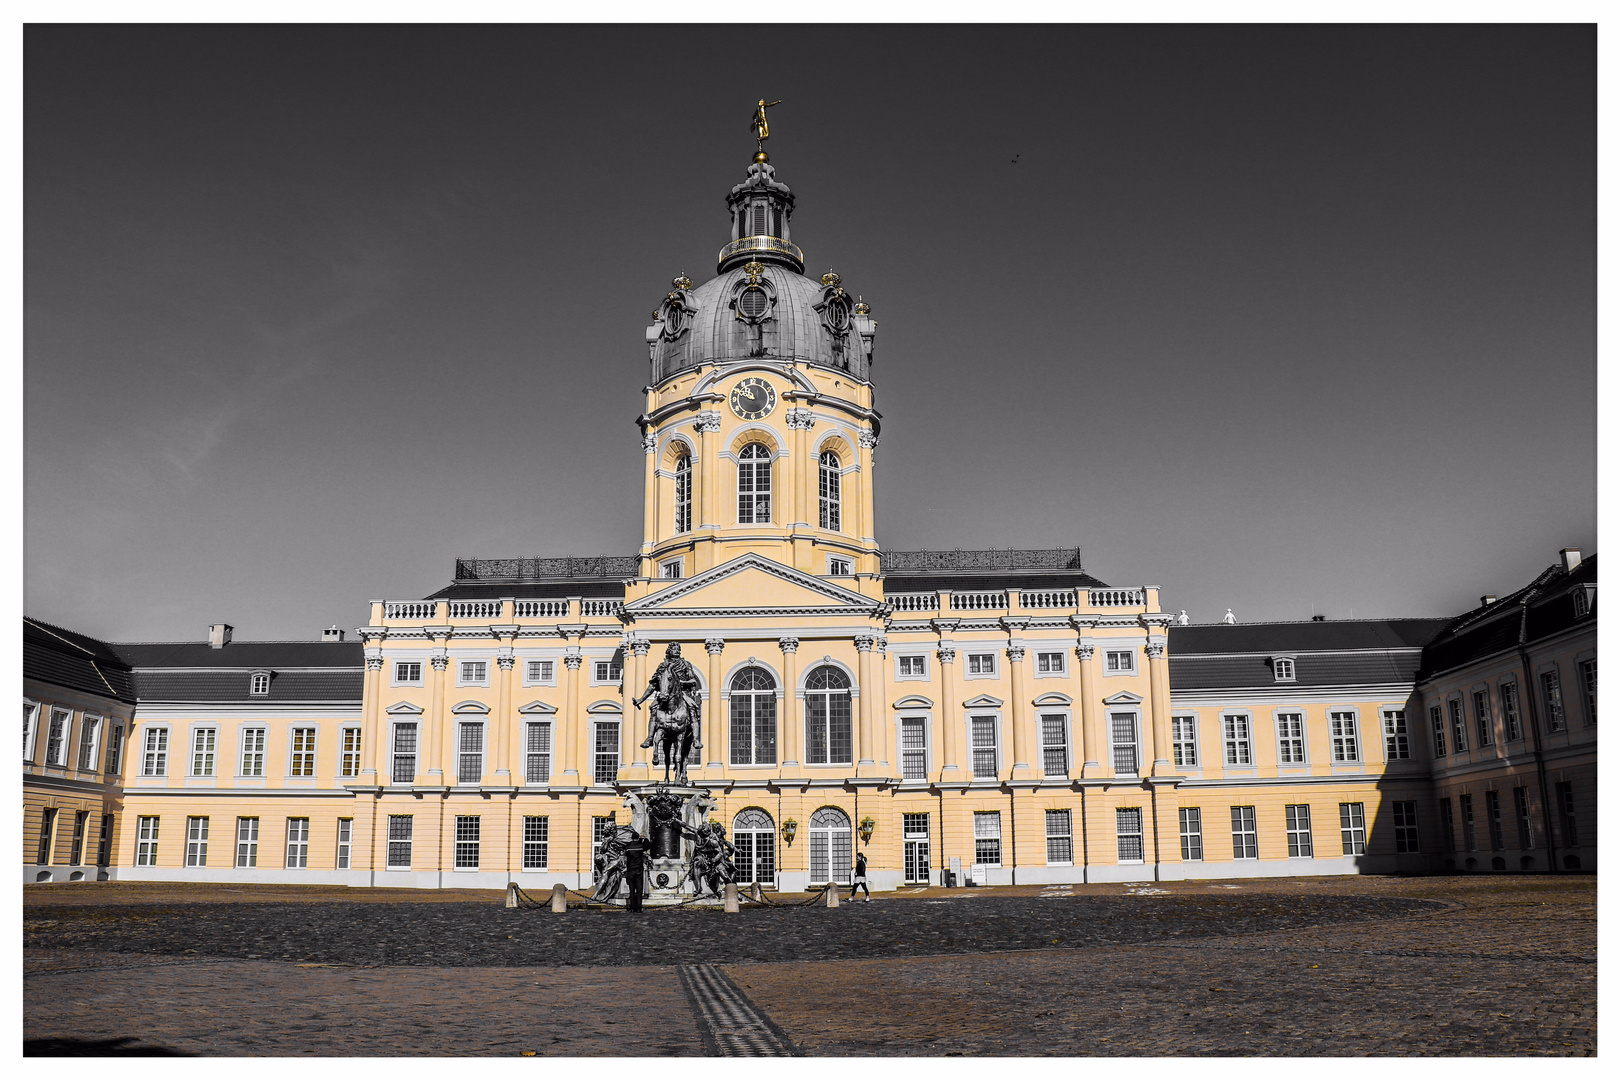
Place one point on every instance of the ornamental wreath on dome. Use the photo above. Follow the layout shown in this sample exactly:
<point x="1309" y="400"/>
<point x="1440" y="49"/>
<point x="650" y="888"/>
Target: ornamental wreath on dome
<point x="753" y="299"/>
<point x="675" y="314"/>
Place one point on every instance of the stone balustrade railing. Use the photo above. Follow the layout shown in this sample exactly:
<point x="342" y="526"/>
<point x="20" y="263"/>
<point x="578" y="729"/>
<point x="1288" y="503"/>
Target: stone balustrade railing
<point x="1048" y="598"/>
<point x="914" y="601"/>
<point x="409" y="609"/>
<point x="1118" y="597"/>
<point x="601" y="607"/>
<point x="978" y="601"/>
<point x="541" y="609"/>
<point x="475" y="609"/>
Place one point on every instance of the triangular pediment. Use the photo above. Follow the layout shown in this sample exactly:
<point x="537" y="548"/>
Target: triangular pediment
<point x="984" y="701"/>
<point x="534" y="707"/>
<point x="752" y="581"/>
<point x="404" y="708"/>
<point x="1124" y="697"/>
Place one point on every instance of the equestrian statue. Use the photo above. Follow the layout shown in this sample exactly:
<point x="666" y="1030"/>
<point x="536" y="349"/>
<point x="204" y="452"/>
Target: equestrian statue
<point x="676" y="720"/>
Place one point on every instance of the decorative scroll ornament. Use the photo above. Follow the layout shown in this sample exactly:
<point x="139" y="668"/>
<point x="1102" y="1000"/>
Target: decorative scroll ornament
<point x="753" y="301"/>
<point x="946" y="656"/>
<point x="788" y="644"/>
<point x="374" y="663"/>
<point x="640" y="646"/>
<point x="440" y="662"/>
<point x="868" y="440"/>
<point x="835" y="310"/>
<point x="864" y="642"/>
<point x="649" y="442"/>
<point x="674" y="316"/>
<point x="714" y="645"/>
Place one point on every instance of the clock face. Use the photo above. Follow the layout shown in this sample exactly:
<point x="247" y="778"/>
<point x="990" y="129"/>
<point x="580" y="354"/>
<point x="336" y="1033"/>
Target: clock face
<point x="753" y="398"/>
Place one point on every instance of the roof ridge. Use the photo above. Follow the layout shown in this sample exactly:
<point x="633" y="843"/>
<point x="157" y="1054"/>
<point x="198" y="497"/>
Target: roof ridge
<point x="51" y="629"/>
<point x="1329" y="622"/>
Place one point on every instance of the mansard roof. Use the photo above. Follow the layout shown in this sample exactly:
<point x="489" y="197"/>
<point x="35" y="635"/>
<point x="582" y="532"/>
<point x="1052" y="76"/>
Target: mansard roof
<point x="194" y="671"/>
<point x="1541" y="609"/>
<point x="1351" y="652"/>
<point x="988" y="568"/>
<point x="590" y="576"/>
<point x="74" y="661"/>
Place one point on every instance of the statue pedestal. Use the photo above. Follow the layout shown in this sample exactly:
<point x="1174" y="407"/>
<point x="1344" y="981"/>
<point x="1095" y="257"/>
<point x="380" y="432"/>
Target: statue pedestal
<point x="663" y="810"/>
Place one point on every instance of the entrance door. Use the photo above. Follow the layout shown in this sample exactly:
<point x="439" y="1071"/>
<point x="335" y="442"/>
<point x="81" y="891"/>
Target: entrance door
<point x="753" y="833"/>
<point x="916" y="844"/>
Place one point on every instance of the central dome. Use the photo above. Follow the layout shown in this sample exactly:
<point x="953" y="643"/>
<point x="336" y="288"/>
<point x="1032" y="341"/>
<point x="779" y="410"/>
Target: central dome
<point x="761" y="305"/>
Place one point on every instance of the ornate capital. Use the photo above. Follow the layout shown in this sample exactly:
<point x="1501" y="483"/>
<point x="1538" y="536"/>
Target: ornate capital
<point x="1084" y="650"/>
<point x="505" y="662"/>
<point x="864" y="642"/>
<point x="573" y="660"/>
<point x="373" y="663"/>
<point x="789" y="644"/>
<point x="639" y="646"/>
<point x="882" y="644"/>
<point x="946" y="656"/>
<point x="868" y="440"/>
<point x="800" y="418"/>
<point x="707" y="421"/>
<point x="1016" y="654"/>
<point x="715" y="645"/>
<point x="1155" y="650"/>
<point x="649" y="442"/>
<point x="440" y="661"/>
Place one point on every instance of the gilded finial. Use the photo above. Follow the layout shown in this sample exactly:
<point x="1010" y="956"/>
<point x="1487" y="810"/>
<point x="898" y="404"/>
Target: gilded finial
<point x="682" y="282"/>
<point x="761" y="128"/>
<point x="753" y="270"/>
<point x="830" y="279"/>
<point x="861" y="307"/>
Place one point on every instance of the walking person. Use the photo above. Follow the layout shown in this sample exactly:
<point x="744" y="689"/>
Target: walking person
<point x="860" y="877"/>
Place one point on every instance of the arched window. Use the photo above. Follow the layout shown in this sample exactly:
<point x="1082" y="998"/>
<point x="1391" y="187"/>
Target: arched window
<point x="683" y="493"/>
<point x="754" y="485"/>
<point x="830" y="498"/>
<point x="753" y="717"/>
<point x="828" y="738"/>
<point x="753" y="833"/>
<point x="830" y="846"/>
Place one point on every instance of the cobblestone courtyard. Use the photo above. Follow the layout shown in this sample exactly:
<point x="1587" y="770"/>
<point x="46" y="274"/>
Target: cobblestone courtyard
<point x="1328" y="966"/>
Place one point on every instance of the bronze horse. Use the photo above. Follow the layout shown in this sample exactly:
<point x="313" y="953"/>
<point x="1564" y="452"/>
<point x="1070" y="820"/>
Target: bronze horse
<point x="673" y="727"/>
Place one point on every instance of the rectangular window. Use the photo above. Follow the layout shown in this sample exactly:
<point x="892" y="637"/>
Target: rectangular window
<point x="467" y="842"/>
<point x="1298" y="818"/>
<point x="407" y="672"/>
<point x="672" y="570"/>
<point x="1049" y="663"/>
<point x="1589" y="687"/>
<point x="350" y="765"/>
<point x="1439" y="725"/>
<point x="1059" y="838"/>
<point x="542" y="671"/>
<point x="1565" y="794"/>
<point x="404" y="771"/>
<point x="1235" y="736"/>
<point x="536" y="842"/>
<point x="47" y="836"/>
<point x="1290" y="738"/>
<point x="914" y="665"/>
<point x="196" y="841"/>
<point x="399" y="841"/>
<point x="87" y="743"/>
<point x="1353" y="828"/>
<point x="1459" y="728"/>
<point x="30" y="728"/>
<point x="607" y="751"/>
<point x="1493" y="820"/>
<point x="1345" y="739"/>
<point x="984" y="746"/>
<point x="981" y="663"/>
<point x="987" y="838"/>
<point x="247" y="841"/>
<point x="155" y="762"/>
<point x="1521" y="810"/>
<point x="1123" y="728"/>
<point x="914" y="747"/>
<point x="115" y="750"/>
<point x="838" y="567"/>
<point x="1406" y="828"/>
<point x="1512" y="729"/>
<point x="1448" y="829"/>
<point x="146" y="841"/>
<point x="56" y="738"/>
<point x="608" y="671"/>
<point x="81" y="823"/>
<point x="1184" y="740"/>
<point x="253" y="751"/>
<point x="754" y="486"/>
<point x="202" y="751"/>
<point x="470" y="754"/>
<point x="1553" y="697"/>
<point x="1192" y="834"/>
<point x="1482" y="717"/>
<point x="474" y="672"/>
<point x="1396" y="746"/>
<point x="1128" y="831"/>
<point x="104" y="848"/>
<point x="1055" y="744"/>
<point x="297" y="843"/>
<point x="537" y="754"/>
<point x="914" y="834"/>
<point x="1121" y="660"/>
<point x="345" y="841"/>
<point x="1245" y="840"/>
<point x="303" y="752"/>
<point x="1465" y="807"/>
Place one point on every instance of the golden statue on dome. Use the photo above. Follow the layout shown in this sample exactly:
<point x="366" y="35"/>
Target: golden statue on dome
<point x="761" y="126"/>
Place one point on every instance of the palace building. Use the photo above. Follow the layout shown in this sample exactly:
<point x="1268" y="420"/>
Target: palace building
<point x="984" y="717"/>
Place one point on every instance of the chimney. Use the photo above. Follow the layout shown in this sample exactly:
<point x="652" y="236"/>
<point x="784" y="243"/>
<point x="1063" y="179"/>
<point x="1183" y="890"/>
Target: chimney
<point x="1571" y="558"/>
<point x="1487" y="599"/>
<point x="332" y="633"/>
<point x="219" y="635"/>
<point x="1318" y="618"/>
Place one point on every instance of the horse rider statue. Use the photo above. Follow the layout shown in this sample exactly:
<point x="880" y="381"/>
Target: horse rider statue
<point x="676" y="719"/>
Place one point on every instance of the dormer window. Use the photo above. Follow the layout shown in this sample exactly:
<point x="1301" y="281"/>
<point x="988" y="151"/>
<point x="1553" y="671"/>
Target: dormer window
<point x="259" y="683"/>
<point x="1282" y="667"/>
<point x="1584" y="597"/>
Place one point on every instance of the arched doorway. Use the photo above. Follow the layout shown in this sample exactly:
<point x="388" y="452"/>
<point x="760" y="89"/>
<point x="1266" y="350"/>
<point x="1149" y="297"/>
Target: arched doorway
<point x="831" y="847"/>
<point x="753" y="833"/>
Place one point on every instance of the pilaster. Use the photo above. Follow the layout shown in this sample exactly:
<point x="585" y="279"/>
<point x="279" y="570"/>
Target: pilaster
<point x="792" y="730"/>
<point x="712" y="738"/>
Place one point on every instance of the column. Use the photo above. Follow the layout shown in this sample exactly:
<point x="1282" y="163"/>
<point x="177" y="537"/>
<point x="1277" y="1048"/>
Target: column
<point x="882" y="727"/>
<point x="1023" y="737"/>
<point x="370" y="735"/>
<point x="567" y="731"/>
<point x="1159" y="696"/>
<point x="867" y="486"/>
<point x="430" y="763"/>
<point x="712" y="737"/>
<point x="950" y="722"/>
<point x="790" y="729"/>
<point x="865" y="764"/>
<point x="499" y="736"/>
<point x="635" y="720"/>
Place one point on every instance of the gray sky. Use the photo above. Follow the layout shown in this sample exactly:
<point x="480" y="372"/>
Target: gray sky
<point x="1286" y="320"/>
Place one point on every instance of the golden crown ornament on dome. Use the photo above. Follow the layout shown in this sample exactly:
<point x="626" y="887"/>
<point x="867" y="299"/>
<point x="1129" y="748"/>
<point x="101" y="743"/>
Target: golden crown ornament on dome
<point x="861" y="307"/>
<point x="753" y="270"/>
<point x="682" y="282"/>
<point x="831" y="280"/>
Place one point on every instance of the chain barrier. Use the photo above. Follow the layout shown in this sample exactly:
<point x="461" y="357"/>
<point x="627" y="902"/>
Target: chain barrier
<point x="587" y="900"/>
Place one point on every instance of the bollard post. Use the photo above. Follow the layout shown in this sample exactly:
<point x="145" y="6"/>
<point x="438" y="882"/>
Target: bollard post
<point x="511" y="894"/>
<point x="759" y="893"/>
<point x="832" y="894"/>
<point x="731" y="897"/>
<point x="559" y="897"/>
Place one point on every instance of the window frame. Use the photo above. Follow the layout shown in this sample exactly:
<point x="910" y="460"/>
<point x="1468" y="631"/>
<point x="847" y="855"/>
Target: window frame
<point x="1045" y="746"/>
<point x="1190" y="820"/>
<point x="1044" y="655"/>
<point x="474" y="731"/>
<point x="1512" y="717"/>
<point x="305" y="757"/>
<point x="477" y="677"/>
<point x="1458" y="718"/>
<point x="756" y="464"/>
<point x="531" y="728"/>
<point x="1283" y="669"/>
<point x="259" y="684"/>
<point x="1297" y="827"/>
<point x="826" y="695"/>
<point x="606" y="753"/>
<point x="468" y="842"/>
<point x="1408" y="840"/>
<point x="1289" y="742"/>
<point x="1112" y="656"/>
<point x="840" y="566"/>
<point x="677" y="564"/>
<point x="830" y="497"/>
<point x="59" y="738"/>
<point x="395" y="729"/>
<point x="401" y="839"/>
<point x="344" y="858"/>
<point x="615" y="670"/>
<point x="31" y="714"/>
<point x="1127" y="816"/>
<point x="1245" y="833"/>
<point x="114" y="764"/>
<point x="203" y="761"/>
<point x="197" y="840"/>
<point x="982" y="839"/>
<point x="1184" y="740"/>
<point x="1345" y="749"/>
<point x="245" y="747"/>
<point x="536" y="842"/>
<point x="1586" y="673"/>
<point x="530" y="678"/>
<point x="1397" y="738"/>
<point x="1550" y="683"/>
<point x="297" y="853"/>
<point x="1437" y="723"/>
<point x="1237" y="740"/>
<point x="247" y="842"/>
<point x="681" y="475"/>
<point x="978" y="721"/>
<point x="1353" y="828"/>
<point x="923" y="722"/>
<point x="155" y="760"/>
<point x="1115" y="714"/>
<point x="901" y="675"/>
<point x="351" y="742"/>
<point x="147" y="829"/>
<point x="969" y="659"/>
<point x="418" y="666"/>
<point x="745" y="752"/>
<point x="90" y="728"/>
<point x="1484" y="720"/>
<point x="1064" y="835"/>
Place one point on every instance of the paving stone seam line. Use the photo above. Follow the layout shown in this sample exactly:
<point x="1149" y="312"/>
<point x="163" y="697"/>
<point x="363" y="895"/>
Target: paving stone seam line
<point x="732" y="1024"/>
<point x="1515" y="957"/>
